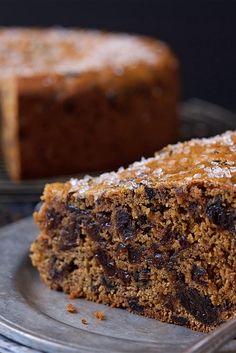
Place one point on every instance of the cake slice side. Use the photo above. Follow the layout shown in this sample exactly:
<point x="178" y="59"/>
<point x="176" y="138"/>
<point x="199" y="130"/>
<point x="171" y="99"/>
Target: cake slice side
<point x="150" y="239"/>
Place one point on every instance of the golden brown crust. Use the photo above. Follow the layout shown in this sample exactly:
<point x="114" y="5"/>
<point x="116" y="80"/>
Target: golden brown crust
<point x="207" y="160"/>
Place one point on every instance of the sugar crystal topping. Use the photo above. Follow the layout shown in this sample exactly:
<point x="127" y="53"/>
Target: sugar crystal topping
<point x="30" y="51"/>
<point x="212" y="159"/>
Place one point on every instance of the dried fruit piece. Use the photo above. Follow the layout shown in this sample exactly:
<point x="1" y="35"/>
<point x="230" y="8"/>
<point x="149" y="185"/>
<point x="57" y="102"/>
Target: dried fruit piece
<point x="125" y="224"/>
<point x="222" y="216"/>
<point x="199" y="274"/>
<point x="198" y="305"/>
<point x="134" y="305"/>
<point x="180" y="320"/>
<point x="107" y="263"/>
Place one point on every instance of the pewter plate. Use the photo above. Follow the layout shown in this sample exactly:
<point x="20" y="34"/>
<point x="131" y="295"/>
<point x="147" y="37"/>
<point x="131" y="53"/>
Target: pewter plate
<point x="33" y="315"/>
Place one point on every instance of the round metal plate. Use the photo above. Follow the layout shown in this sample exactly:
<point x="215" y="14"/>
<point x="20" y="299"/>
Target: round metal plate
<point x="33" y="315"/>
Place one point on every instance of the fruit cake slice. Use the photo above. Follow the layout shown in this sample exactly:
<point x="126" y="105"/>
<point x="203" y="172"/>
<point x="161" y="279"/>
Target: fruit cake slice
<point x="157" y="238"/>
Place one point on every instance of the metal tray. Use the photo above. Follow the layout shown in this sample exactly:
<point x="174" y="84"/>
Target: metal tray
<point x="35" y="316"/>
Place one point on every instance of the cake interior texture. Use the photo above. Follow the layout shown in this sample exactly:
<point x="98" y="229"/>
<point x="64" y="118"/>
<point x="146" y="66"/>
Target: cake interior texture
<point x="157" y="238"/>
<point x="77" y="101"/>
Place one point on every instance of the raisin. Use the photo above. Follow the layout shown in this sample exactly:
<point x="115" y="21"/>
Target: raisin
<point x="76" y="227"/>
<point x="198" y="274"/>
<point x="163" y="208"/>
<point x="144" y="274"/>
<point x="153" y="208"/>
<point x="227" y="305"/>
<point x="142" y="223"/>
<point x="134" y="305"/>
<point x="107" y="263"/>
<point x="151" y="193"/>
<point x="180" y="320"/>
<point x="55" y="274"/>
<point x="142" y="277"/>
<point x="199" y="306"/>
<point x="134" y="254"/>
<point x="180" y="278"/>
<point x="46" y="244"/>
<point x="150" y="205"/>
<point x="160" y="260"/>
<point x="92" y="229"/>
<point x="169" y="302"/>
<point x="68" y="239"/>
<point x="122" y="249"/>
<point x="104" y="219"/>
<point x="108" y="283"/>
<point x="173" y="257"/>
<point x="53" y="218"/>
<point x="124" y="276"/>
<point x="163" y="194"/>
<point x="142" y="220"/>
<point x="70" y="267"/>
<point x="193" y="209"/>
<point x="147" y="230"/>
<point x="70" y="234"/>
<point x="95" y="289"/>
<point x="58" y="274"/>
<point x="168" y="237"/>
<point x="180" y="192"/>
<point x="79" y="212"/>
<point x="220" y="215"/>
<point x="136" y="276"/>
<point x="73" y="208"/>
<point x="125" y="224"/>
<point x="184" y="243"/>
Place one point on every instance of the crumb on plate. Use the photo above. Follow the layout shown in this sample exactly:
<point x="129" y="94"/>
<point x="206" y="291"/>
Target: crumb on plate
<point x="100" y="315"/>
<point x="84" y="321"/>
<point x="71" y="308"/>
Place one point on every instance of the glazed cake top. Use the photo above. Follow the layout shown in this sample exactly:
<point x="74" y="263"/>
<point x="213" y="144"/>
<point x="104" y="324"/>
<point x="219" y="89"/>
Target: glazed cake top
<point x="207" y="159"/>
<point x="64" y="51"/>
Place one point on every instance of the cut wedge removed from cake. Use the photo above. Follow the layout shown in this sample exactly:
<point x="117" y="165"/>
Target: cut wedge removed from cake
<point x="157" y="238"/>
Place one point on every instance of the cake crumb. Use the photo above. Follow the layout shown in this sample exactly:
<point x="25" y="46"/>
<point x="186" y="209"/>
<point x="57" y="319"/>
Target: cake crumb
<point x="100" y="315"/>
<point x="84" y="321"/>
<point x="71" y="308"/>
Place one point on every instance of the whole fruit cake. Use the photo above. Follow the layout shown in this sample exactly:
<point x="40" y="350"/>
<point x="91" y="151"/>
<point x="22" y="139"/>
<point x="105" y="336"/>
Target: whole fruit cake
<point x="158" y="238"/>
<point x="76" y="101"/>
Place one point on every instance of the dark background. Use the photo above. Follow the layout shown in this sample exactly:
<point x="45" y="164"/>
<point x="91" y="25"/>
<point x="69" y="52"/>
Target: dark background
<point x="202" y="33"/>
